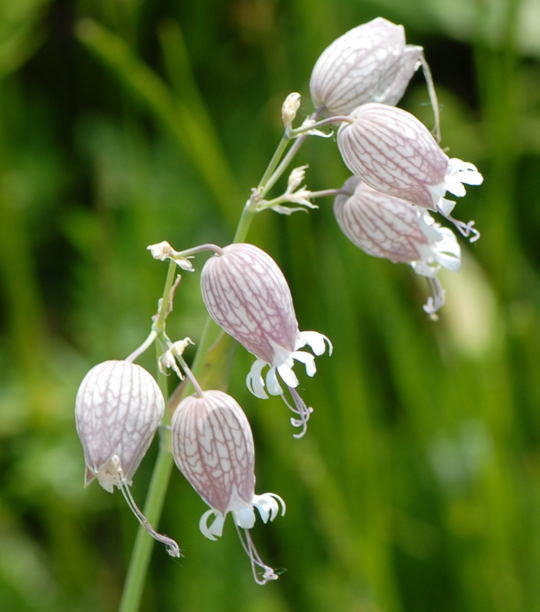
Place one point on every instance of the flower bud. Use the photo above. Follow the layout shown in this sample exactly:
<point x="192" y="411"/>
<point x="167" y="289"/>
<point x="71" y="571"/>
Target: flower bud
<point x="370" y="63"/>
<point x="213" y="448"/>
<point x="394" y="153"/>
<point x="246" y="293"/>
<point x="118" y="408"/>
<point x="289" y="109"/>
<point x="388" y="227"/>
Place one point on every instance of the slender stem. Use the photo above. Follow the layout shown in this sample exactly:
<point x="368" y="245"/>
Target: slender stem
<point x="190" y="375"/>
<point x="306" y="128"/>
<point x="143" y="347"/>
<point x="432" y="96"/>
<point x="324" y="193"/>
<point x="245" y="220"/>
<point x="140" y="557"/>
<point x="278" y="154"/>
<point x="200" y="249"/>
<point x="276" y="175"/>
<point x="165" y="305"/>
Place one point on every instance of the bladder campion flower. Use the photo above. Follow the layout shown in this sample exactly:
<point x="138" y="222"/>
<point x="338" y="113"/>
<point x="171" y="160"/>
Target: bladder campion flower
<point x="370" y="63"/>
<point x="118" y="408"/>
<point x="213" y="448"/>
<point x="246" y="293"/>
<point x="388" y="227"/>
<point x="394" y="152"/>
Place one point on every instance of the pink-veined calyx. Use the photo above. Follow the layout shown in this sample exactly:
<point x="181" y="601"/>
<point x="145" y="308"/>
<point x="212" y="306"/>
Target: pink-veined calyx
<point x="118" y="409"/>
<point x="389" y="227"/>
<point x="246" y="293"/>
<point x="393" y="152"/>
<point x="213" y="448"/>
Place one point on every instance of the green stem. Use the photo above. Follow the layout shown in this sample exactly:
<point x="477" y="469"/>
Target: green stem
<point x="278" y="154"/>
<point x="265" y="187"/>
<point x="164" y="307"/>
<point x="283" y="165"/>
<point x="140" y="557"/>
<point x="321" y="123"/>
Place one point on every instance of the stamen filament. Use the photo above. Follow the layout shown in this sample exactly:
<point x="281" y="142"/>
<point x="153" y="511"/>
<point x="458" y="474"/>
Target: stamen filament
<point x="301" y="409"/>
<point x="436" y="301"/>
<point x="255" y="559"/>
<point x="172" y="547"/>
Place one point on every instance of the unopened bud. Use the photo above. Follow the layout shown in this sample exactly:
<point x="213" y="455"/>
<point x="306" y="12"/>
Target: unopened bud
<point x="296" y="177"/>
<point x="289" y="109"/>
<point x="370" y="63"/>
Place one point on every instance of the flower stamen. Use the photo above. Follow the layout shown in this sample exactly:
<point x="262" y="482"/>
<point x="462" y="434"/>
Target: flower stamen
<point x="257" y="564"/>
<point x="436" y="301"/>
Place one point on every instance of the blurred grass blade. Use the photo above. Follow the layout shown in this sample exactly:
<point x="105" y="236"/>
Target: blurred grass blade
<point x="196" y="138"/>
<point x="179" y="71"/>
<point x="19" y="34"/>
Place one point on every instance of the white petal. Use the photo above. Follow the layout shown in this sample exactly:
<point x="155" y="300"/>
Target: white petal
<point x="315" y="341"/>
<point x="445" y="207"/>
<point x="454" y="186"/>
<point x="215" y="530"/>
<point x="288" y="376"/>
<point x="429" y="227"/>
<point x="426" y="267"/>
<point x="272" y="383"/>
<point x="245" y="517"/>
<point x="254" y="379"/>
<point x="308" y="360"/>
<point x="465" y="171"/>
<point x="443" y="249"/>
<point x="268" y="505"/>
<point x="447" y="250"/>
<point x="460" y="172"/>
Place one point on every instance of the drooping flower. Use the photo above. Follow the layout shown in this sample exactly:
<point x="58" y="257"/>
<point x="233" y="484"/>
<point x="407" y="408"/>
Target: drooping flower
<point x="388" y="227"/>
<point x="213" y="448"/>
<point x="246" y="293"/>
<point x="118" y="408"/>
<point x="393" y="152"/>
<point x="370" y="63"/>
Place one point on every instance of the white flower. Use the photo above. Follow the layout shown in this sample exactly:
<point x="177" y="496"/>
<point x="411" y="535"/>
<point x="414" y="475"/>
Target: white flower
<point x="392" y="228"/>
<point x="370" y="63"/>
<point x="246" y="293"/>
<point x="394" y="153"/>
<point x="163" y="251"/>
<point x="213" y="448"/>
<point x="118" y="408"/>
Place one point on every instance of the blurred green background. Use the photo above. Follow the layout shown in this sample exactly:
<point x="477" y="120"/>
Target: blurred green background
<point x="127" y="122"/>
